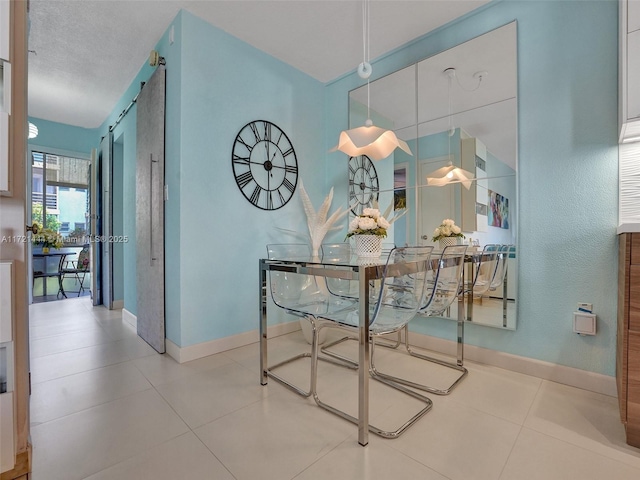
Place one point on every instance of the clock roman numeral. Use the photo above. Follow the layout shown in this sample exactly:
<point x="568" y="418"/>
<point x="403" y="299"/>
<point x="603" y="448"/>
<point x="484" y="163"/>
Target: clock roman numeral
<point x="290" y="186"/>
<point x="240" y="160"/>
<point x="255" y="196"/>
<point x="291" y="168"/>
<point x="249" y="147"/>
<point x="270" y="200"/>
<point x="244" y="179"/>
<point x="256" y="133"/>
<point x="288" y="152"/>
<point x="282" y="199"/>
<point x="267" y="131"/>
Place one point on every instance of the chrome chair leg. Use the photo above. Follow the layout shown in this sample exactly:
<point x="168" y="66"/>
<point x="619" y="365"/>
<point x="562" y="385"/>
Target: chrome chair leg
<point x="314" y="347"/>
<point x="325" y="349"/>
<point x="342" y="358"/>
<point x="389" y="434"/>
<point x="458" y="365"/>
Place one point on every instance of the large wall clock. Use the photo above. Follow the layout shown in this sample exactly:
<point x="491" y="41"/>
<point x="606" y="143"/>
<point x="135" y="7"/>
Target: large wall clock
<point x="264" y="165"/>
<point x="363" y="183"/>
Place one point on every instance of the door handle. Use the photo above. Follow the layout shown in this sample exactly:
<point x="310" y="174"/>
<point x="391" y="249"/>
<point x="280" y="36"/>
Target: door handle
<point x="32" y="228"/>
<point x="425" y="237"/>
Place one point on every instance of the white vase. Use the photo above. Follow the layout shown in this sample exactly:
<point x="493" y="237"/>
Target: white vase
<point x="368" y="245"/>
<point x="448" y="241"/>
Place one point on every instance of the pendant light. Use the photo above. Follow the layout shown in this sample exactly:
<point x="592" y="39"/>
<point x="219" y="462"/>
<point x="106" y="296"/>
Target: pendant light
<point x="451" y="173"/>
<point x="374" y="142"/>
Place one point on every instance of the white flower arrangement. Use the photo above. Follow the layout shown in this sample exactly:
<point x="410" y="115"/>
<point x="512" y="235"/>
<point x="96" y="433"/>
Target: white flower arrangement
<point x="447" y="228"/>
<point x="370" y="222"/>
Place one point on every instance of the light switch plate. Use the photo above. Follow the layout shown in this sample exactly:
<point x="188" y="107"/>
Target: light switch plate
<point x="584" y="323"/>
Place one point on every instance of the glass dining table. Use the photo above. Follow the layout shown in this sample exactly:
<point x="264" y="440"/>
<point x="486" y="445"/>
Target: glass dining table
<point x="362" y="270"/>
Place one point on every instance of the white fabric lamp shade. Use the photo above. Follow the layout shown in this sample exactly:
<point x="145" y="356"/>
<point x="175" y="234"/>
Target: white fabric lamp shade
<point x="450" y="174"/>
<point x="374" y="142"/>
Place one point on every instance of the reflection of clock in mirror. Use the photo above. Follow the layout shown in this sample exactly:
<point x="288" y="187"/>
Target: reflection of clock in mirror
<point x="264" y="165"/>
<point x="363" y="183"/>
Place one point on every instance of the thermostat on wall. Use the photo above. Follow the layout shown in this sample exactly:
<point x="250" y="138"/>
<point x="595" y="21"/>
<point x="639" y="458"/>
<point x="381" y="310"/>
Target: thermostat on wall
<point x="584" y="323"/>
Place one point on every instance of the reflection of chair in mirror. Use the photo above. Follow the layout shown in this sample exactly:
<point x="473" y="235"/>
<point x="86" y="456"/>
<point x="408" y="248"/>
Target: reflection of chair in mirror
<point x="501" y="270"/>
<point x="394" y="302"/>
<point x="483" y="275"/>
<point x="500" y="277"/>
<point x="443" y="288"/>
<point x="78" y="268"/>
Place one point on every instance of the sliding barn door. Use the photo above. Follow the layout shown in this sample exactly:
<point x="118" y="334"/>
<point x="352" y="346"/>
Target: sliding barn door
<point x="150" y="211"/>
<point x="94" y="217"/>
<point x="105" y="230"/>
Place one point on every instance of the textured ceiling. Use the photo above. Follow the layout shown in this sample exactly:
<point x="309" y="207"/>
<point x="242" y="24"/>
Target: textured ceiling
<point x="85" y="53"/>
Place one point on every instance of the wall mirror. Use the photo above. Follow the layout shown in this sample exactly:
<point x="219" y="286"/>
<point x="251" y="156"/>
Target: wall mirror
<point x="467" y="120"/>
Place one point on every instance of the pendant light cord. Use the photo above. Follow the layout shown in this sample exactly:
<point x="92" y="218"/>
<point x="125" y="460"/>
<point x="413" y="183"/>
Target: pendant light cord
<point x="449" y="132"/>
<point x="366" y="50"/>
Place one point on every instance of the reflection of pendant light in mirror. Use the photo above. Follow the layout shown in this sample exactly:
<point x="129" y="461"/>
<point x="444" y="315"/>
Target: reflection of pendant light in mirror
<point x="451" y="173"/>
<point x="374" y="142"/>
<point x="33" y="130"/>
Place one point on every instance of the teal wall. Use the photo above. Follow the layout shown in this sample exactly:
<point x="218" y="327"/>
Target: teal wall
<point x="567" y="172"/>
<point x="213" y="235"/>
<point x="225" y="84"/>
<point x="64" y="137"/>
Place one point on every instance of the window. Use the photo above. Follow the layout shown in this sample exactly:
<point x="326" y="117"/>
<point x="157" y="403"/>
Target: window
<point x="59" y="196"/>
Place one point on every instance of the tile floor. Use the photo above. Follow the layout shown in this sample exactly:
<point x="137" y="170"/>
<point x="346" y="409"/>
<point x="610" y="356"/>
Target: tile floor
<point x="105" y="406"/>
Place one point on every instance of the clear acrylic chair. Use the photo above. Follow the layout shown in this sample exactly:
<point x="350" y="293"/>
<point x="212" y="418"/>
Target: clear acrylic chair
<point x="299" y="295"/>
<point x="485" y="269"/>
<point x="393" y="302"/>
<point x="501" y="270"/>
<point x="339" y="287"/>
<point x="500" y="277"/>
<point x="444" y="285"/>
<point x="294" y="293"/>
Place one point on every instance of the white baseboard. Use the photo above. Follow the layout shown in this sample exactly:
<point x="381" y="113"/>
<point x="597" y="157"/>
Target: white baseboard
<point x="117" y="305"/>
<point x="595" y="382"/>
<point x="575" y="377"/>
<point x="130" y="318"/>
<point x="193" y="352"/>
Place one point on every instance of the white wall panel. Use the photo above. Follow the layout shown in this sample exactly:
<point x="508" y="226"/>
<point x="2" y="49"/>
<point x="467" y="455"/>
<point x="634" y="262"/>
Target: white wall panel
<point x="4" y="151"/>
<point x="5" y="29"/>
<point x="629" y="195"/>
<point x="6" y="290"/>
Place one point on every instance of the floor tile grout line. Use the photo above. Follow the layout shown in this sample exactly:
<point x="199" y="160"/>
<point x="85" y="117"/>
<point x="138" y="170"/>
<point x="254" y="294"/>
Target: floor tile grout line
<point x="580" y="447"/>
<point x="506" y="460"/>
<point x="73" y="349"/>
<point x="76" y="373"/>
<point x="100" y="404"/>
